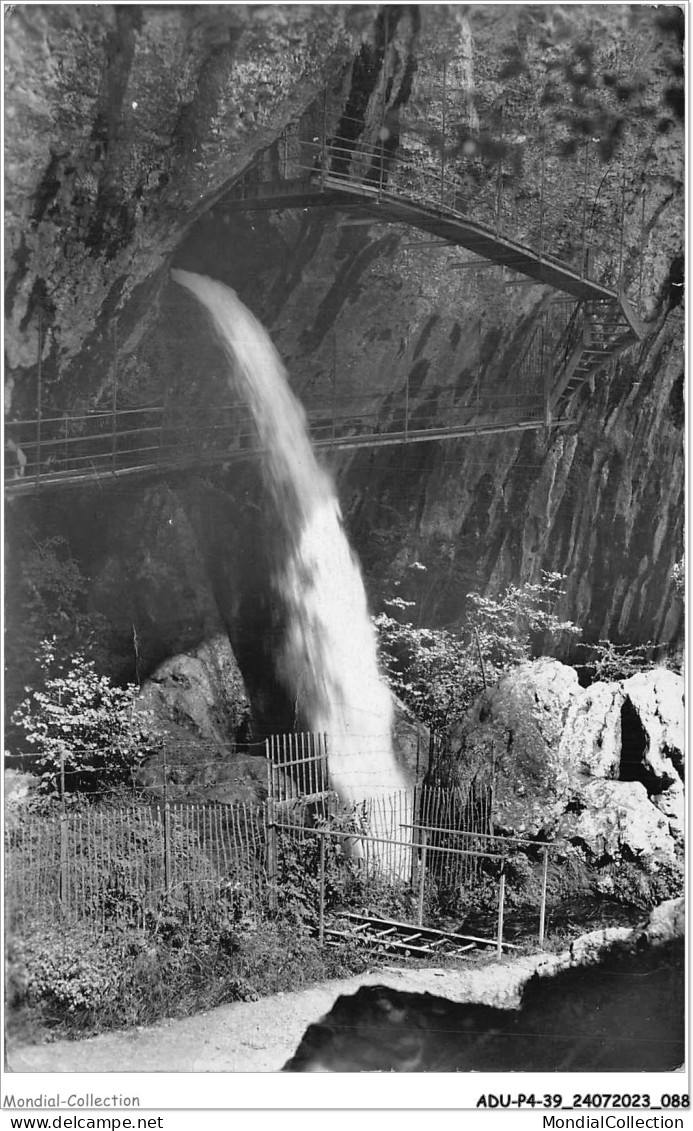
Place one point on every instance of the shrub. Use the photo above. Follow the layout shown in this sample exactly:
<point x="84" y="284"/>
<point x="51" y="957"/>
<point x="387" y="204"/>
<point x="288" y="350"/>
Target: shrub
<point x="438" y="673"/>
<point x="66" y="970"/>
<point x="68" y="980"/>
<point x="82" y="726"/>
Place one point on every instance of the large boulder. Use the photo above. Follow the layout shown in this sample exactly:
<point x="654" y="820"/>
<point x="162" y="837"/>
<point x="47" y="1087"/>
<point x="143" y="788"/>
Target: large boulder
<point x="600" y="767"/>
<point x="511" y="742"/>
<point x="202" y="691"/>
<point x="197" y="702"/>
<point x="611" y="818"/>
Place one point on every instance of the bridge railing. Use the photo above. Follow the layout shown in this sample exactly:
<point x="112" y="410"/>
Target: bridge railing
<point x="587" y="235"/>
<point x="96" y="445"/>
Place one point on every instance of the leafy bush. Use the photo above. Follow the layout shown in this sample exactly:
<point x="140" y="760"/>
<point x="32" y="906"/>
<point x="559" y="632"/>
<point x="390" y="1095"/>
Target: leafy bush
<point x="438" y="672"/>
<point x="67" y="979"/>
<point x="68" y="972"/>
<point x="507" y="630"/>
<point x="82" y="725"/>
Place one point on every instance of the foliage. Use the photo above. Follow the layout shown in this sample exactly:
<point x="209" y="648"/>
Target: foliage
<point x="80" y="722"/>
<point x="609" y="661"/>
<point x="432" y="671"/>
<point x="53" y="586"/>
<point x="506" y="628"/>
<point x="438" y="672"/>
<point x="678" y="577"/>
<point x="347" y="883"/>
<point x="69" y="979"/>
<point x="66" y="971"/>
<point x="593" y="81"/>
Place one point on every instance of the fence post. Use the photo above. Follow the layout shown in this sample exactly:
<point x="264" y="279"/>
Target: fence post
<point x="422" y="876"/>
<point x="63" y="861"/>
<point x="321" y="910"/>
<point x="492" y="792"/>
<point x="271" y="854"/>
<point x="542" y="912"/>
<point x="167" y="848"/>
<point x="501" y="908"/>
<point x="63" y="834"/>
<point x="271" y="827"/>
<point x="167" y="833"/>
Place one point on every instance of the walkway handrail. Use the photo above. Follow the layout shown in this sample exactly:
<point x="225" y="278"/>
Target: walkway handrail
<point x="387" y="165"/>
<point x="355" y="432"/>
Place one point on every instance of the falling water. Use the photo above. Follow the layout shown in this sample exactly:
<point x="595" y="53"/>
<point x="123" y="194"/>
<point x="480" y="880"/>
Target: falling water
<point x="328" y="658"/>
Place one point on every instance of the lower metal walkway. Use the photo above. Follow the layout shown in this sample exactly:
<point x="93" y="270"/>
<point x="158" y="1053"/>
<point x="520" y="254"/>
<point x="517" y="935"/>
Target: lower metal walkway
<point x="130" y="453"/>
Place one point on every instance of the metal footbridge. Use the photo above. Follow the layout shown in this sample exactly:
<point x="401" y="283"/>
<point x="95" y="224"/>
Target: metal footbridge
<point x="575" y="337"/>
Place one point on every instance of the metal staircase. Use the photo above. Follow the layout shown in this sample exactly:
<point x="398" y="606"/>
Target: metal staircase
<point x="598" y="331"/>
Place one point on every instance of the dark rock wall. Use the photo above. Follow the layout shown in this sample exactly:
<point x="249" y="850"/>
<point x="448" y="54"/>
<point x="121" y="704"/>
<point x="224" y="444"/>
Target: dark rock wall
<point x="125" y="125"/>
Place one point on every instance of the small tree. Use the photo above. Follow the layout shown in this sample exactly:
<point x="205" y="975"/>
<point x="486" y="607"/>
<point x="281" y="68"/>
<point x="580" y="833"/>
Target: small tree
<point x="86" y="731"/>
<point x="508" y="629"/>
<point x="430" y="669"/>
<point x="438" y="672"/>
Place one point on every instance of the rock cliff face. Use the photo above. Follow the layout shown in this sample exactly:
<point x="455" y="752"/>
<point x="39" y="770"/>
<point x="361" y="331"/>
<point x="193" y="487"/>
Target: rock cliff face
<point x="599" y="768"/>
<point x="126" y="125"/>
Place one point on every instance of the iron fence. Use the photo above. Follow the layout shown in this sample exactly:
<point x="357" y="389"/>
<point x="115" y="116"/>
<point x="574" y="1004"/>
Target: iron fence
<point x="414" y="853"/>
<point x="119" y="866"/>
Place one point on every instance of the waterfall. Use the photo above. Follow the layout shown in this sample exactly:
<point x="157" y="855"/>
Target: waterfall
<point x="327" y="659"/>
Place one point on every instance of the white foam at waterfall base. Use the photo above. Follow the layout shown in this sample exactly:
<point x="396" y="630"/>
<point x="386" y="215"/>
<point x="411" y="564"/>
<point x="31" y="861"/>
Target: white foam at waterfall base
<point x="328" y="658"/>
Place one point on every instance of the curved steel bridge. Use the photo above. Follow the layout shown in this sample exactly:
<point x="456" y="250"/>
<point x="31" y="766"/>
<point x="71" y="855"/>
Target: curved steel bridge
<point x="571" y="343"/>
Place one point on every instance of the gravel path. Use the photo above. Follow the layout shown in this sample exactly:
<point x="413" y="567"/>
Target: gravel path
<point x="260" y="1036"/>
